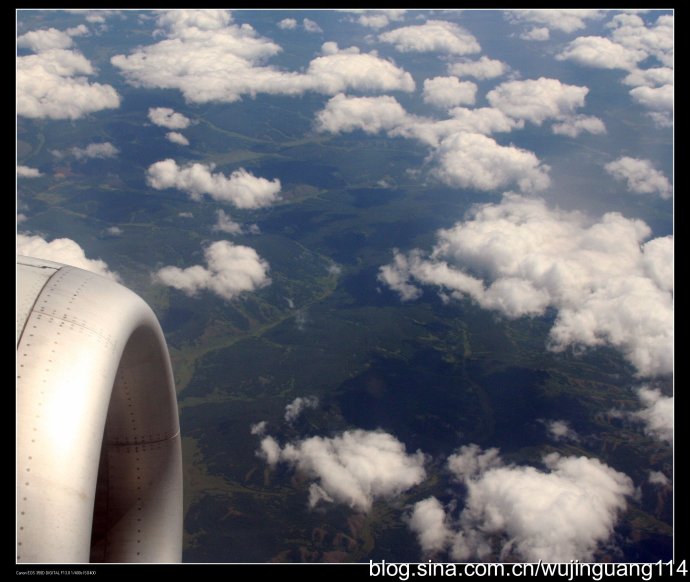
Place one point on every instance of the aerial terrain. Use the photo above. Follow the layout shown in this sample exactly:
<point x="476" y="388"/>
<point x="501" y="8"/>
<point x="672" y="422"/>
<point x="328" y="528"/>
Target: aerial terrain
<point x="414" y="268"/>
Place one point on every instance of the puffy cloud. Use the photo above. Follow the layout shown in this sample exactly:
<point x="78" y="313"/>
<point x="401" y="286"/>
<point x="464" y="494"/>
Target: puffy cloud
<point x="226" y="224"/>
<point x="377" y="18"/>
<point x="259" y="428"/>
<point x="657" y="413"/>
<point x="311" y="26"/>
<point x="559" y="514"/>
<point x="295" y="408"/>
<point x="601" y="53"/>
<point x="61" y="250"/>
<point x="560" y="430"/>
<point x="208" y="58"/>
<point x="631" y="32"/>
<point x="45" y="39"/>
<point x="397" y="275"/>
<point x="520" y="257"/>
<point x="465" y="158"/>
<point x="99" y="151"/>
<point x="653" y="77"/>
<point x="177" y="137"/>
<point x="574" y="126"/>
<point x="27" y="172"/>
<point x="428" y="520"/>
<point x="287" y="24"/>
<point x="337" y="70"/>
<point x="472" y="160"/>
<point x="658" y="478"/>
<point x="657" y="262"/>
<point x="168" y="118"/>
<point x="113" y="231"/>
<point x="632" y="42"/>
<point x="447" y="92"/>
<point x="484" y="120"/>
<point x="661" y="118"/>
<point x="95" y="16"/>
<point x="270" y="450"/>
<point x="190" y="22"/>
<point x="656" y="98"/>
<point x="242" y="188"/>
<point x="537" y="100"/>
<point x="470" y="461"/>
<point x="432" y="36"/>
<point x="554" y="516"/>
<point x="564" y="19"/>
<point x="640" y="175"/>
<point x="231" y="270"/>
<point x="353" y="468"/>
<point x="53" y="84"/>
<point x="484" y="68"/>
<point x="369" y="114"/>
<point x="537" y="33"/>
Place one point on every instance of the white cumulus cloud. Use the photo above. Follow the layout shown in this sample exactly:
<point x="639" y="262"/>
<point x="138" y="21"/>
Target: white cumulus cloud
<point x="428" y="520"/>
<point x="563" y="513"/>
<point x="447" y="92"/>
<point x="536" y="33"/>
<point x="432" y="36"/>
<point x="658" y="478"/>
<point x="177" y="137"/>
<point x="484" y="68"/>
<point x="656" y="40"/>
<point x="61" y="250"/>
<point x="210" y="59"/>
<point x="355" y="467"/>
<point x="519" y="257"/>
<point x="230" y="270"/>
<point x="562" y="19"/>
<point x="99" y="151"/>
<point x="53" y="83"/>
<point x="45" y="39"/>
<point x="652" y="77"/>
<point x="560" y="430"/>
<point x="242" y="188"/>
<point x="369" y="114"/>
<point x="469" y="461"/>
<point x="473" y="160"/>
<point x="27" y="172"/>
<point x="655" y="98"/>
<point x="377" y="17"/>
<point x="657" y="413"/>
<point x="640" y="176"/>
<point x="575" y="125"/>
<point x="536" y="100"/>
<point x="295" y="408"/>
<point x="226" y="224"/>
<point x="113" y="231"/>
<point x="287" y="24"/>
<point x="259" y="428"/>
<point x="168" y="118"/>
<point x="311" y="26"/>
<point x="464" y="157"/>
<point x="631" y="44"/>
<point x="601" y="53"/>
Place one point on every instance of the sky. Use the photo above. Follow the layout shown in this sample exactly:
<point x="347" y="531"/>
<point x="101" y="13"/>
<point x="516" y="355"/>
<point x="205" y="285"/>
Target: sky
<point x="562" y="129"/>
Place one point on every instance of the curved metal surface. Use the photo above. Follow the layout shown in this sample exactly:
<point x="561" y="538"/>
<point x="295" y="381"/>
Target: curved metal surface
<point x="98" y="441"/>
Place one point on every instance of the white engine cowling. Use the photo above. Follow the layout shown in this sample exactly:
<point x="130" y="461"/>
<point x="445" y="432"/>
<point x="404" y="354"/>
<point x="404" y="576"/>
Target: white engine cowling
<point x="99" y="462"/>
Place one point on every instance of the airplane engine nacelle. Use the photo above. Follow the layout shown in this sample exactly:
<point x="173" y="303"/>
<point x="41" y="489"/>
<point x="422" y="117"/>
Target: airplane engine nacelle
<point x="99" y="463"/>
